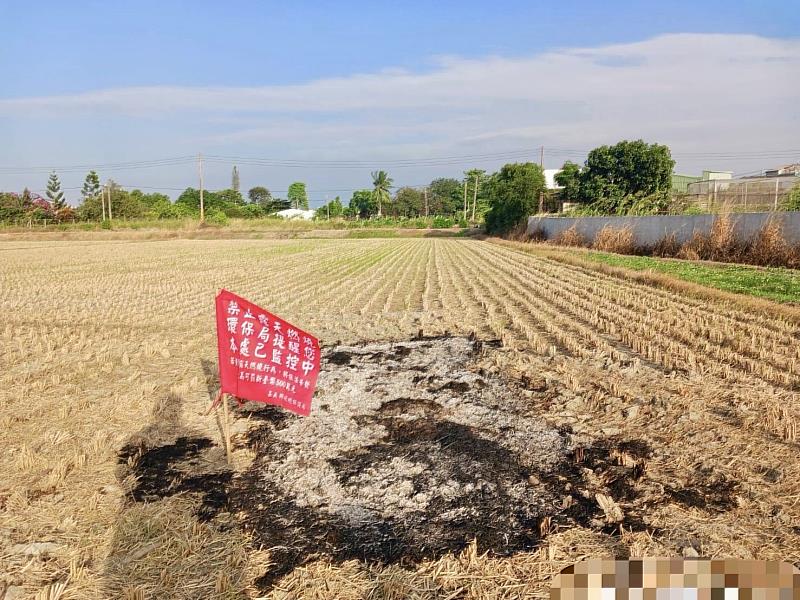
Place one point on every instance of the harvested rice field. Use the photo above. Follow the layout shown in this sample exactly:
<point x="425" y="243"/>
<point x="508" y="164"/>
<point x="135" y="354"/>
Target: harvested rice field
<point x="485" y="416"/>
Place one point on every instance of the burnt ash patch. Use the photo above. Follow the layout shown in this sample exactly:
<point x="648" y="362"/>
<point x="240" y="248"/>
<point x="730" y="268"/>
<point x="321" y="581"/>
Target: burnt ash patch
<point x="706" y="490"/>
<point x="338" y="358"/>
<point x="443" y="462"/>
<point x="411" y="452"/>
<point x="452" y="455"/>
<point x="176" y="468"/>
<point x="409" y="406"/>
<point x="273" y="415"/>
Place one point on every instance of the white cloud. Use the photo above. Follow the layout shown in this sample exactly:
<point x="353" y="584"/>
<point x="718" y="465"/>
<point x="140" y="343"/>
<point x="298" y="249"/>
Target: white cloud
<point x="696" y="92"/>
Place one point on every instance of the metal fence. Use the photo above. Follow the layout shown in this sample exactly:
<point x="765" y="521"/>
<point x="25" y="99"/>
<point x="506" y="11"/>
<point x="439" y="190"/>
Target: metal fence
<point x="741" y="195"/>
<point x="650" y="230"/>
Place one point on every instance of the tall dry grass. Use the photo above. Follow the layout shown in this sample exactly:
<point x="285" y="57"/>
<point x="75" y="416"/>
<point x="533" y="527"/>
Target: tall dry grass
<point x="666" y="247"/>
<point x="768" y="247"/>
<point x="570" y="237"/>
<point x="615" y="239"/>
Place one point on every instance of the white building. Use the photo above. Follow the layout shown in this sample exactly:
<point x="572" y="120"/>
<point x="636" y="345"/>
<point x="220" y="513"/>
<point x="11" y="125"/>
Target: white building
<point x="296" y="213"/>
<point x="550" y="179"/>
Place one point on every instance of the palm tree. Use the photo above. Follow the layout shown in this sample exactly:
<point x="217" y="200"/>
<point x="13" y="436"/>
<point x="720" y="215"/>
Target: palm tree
<point x="381" y="183"/>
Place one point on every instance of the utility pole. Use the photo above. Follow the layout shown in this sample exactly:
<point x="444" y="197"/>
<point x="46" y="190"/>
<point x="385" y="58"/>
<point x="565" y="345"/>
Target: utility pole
<point x="426" y="201"/>
<point x="466" y="179"/>
<point x="475" y="197"/>
<point x="109" y="202"/>
<point x="776" y="193"/>
<point x="200" y="169"/>
<point x="103" y="201"/>
<point x="541" y="166"/>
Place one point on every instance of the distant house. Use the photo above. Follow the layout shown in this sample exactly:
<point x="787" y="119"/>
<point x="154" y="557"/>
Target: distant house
<point x="786" y="170"/>
<point x="296" y="213"/>
<point x="717" y="175"/>
<point x="550" y="179"/>
<point x="681" y="183"/>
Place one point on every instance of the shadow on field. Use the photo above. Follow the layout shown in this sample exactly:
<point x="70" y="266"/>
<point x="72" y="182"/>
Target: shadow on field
<point x="164" y="459"/>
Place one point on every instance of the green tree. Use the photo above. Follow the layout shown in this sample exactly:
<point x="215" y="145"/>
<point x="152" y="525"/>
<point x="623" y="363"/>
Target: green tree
<point x="11" y="207"/>
<point x="336" y="207"/>
<point x="230" y="196"/>
<point x="569" y="178"/>
<point x="234" y="179"/>
<point x="362" y="204"/>
<point x="513" y="195"/>
<point x="91" y="185"/>
<point x="54" y="193"/>
<point x="332" y="210"/>
<point x="381" y="184"/>
<point x="90" y="209"/>
<point x="189" y="201"/>
<point x="155" y="206"/>
<point x="408" y="202"/>
<point x="297" y="195"/>
<point x="125" y="205"/>
<point x="260" y="195"/>
<point x="279" y="204"/>
<point x="445" y="196"/>
<point x="630" y="177"/>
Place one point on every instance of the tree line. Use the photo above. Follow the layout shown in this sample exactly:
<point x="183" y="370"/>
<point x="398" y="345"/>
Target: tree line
<point x="501" y="198"/>
<point x="631" y="177"/>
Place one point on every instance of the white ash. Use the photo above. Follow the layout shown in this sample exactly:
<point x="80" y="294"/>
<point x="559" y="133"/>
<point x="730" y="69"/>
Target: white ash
<point x="411" y="386"/>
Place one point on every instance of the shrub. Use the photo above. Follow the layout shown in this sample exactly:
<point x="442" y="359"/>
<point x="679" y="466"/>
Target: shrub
<point x="252" y="211"/>
<point x="537" y="235"/>
<point x="216" y="217"/>
<point x="792" y="200"/>
<point x="441" y="223"/>
<point x="644" y="204"/>
<point x="518" y="233"/>
<point x="67" y="213"/>
<point x="692" y="209"/>
<point x="234" y="211"/>
<point x="610" y="239"/>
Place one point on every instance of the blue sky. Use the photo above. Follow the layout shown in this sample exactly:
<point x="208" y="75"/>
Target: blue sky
<point x="106" y="82"/>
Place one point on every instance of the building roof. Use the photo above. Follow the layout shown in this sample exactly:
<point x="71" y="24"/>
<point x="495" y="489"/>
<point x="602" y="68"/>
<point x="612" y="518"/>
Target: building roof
<point x="296" y="213"/>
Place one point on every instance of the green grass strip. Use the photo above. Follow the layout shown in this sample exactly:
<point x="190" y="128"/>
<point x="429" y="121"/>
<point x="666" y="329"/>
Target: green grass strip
<point x="773" y="283"/>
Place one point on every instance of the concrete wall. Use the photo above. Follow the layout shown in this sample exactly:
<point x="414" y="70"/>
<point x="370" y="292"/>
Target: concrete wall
<point x="649" y="230"/>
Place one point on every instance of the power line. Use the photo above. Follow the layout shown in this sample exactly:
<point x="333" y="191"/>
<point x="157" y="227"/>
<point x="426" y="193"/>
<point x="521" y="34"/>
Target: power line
<point x="105" y="167"/>
<point x="387" y="164"/>
<point x="371" y="163"/>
